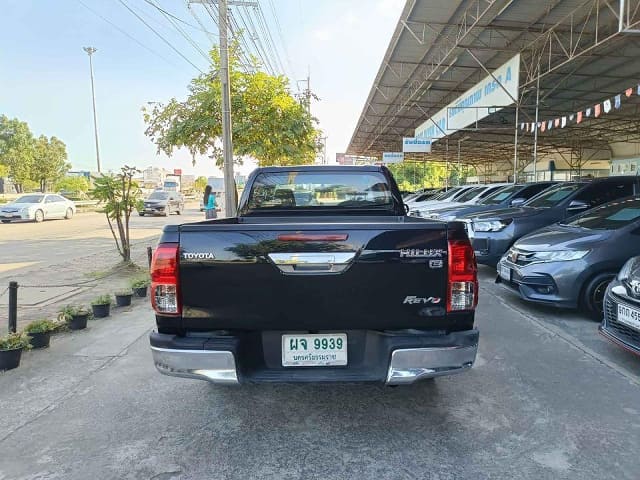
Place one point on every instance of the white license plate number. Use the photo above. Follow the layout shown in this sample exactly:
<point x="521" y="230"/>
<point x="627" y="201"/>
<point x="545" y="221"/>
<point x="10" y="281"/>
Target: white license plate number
<point x="505" y="273"/>
<point x="314" y="350"/>
<point x="629" y="316"/>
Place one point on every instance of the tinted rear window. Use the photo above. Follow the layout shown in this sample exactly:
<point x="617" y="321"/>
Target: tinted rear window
<point x="553" y="196"/>
<point x="610" y="216"/>
<point x="498" y="197"/>
<point x="349" y="190"/>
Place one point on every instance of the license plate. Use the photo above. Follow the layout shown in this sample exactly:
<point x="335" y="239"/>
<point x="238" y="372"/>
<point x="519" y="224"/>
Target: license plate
<point x="314" y="350"/>
<point x="629" y="316"/>
<point x="505" y="272"/>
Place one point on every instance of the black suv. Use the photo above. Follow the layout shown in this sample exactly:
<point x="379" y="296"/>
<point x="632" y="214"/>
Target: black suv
<point x="494" y="232"/>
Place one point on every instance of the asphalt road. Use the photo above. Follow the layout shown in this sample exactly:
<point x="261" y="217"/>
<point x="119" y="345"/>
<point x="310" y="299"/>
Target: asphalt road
<point x="547" y="399"/>
<point x="24" y="244"/>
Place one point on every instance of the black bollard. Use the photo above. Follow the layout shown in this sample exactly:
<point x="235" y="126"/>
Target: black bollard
<point x="13" y="307"/>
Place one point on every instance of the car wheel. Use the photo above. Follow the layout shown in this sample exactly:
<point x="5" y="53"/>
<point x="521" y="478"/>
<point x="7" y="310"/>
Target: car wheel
<point x="69" y="214"/>
<point x="39" y="216"/>
<point x="593" y="295"/>
<point x="179" y="211"/>
<point x="141" y="214"/>
<point x="6" y="221"/>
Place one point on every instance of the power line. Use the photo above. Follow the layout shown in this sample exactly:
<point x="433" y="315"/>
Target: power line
<point x="284" y="43"/>
<point x="124" y="32"/>
<point x="166" y="13"/>
<point x="160" y="36"/>
<point x="268" y="38"/>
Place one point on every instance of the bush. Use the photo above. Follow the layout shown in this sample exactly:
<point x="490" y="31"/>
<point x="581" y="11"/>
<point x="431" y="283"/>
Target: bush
<point x="123" y="293"/>
<point x="41" y="326"/>
<point x="140" y="283"/>
<point x="102" y="300"/>
<point x="14" y="341"/>
<point x="72" y="311"/>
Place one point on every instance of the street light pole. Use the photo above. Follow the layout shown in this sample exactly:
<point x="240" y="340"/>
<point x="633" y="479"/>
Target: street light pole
<point x="90" y="51"/>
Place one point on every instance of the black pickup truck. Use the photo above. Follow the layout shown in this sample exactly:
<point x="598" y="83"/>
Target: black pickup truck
<point x="322" y="277"/>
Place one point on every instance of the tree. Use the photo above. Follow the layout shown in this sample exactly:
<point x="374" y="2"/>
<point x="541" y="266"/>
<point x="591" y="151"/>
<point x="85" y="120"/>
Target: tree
<point x="120" y="195"/>
<point x="268" y="123"/>
<point x="49" y="161"/>
<point x="16" y="149"/>
<point x="200" y="184"/>
<point x="77" y="185"/>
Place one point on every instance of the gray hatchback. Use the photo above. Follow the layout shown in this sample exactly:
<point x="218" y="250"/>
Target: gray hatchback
<point x="570" y="264"/>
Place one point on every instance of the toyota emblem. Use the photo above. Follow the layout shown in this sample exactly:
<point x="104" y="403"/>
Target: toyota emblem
<point x="635" y="287"/>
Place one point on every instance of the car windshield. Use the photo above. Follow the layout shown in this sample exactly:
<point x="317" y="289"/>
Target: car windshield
<point x="30" y="199"/>
<point x="469" y="194"/>
<point x="553" y="196"/>
<point x="448" y="194"/>
<point x="159" y="196"/>
<point x="500" y="196"/>
<point x="610" y="216"/>
<point x="349" y="190"/>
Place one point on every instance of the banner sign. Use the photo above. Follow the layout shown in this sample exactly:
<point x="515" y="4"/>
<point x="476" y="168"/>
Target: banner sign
<point x="416" y="145"/>
<point x="392" y="157"/>
<point x="478" y="102"/>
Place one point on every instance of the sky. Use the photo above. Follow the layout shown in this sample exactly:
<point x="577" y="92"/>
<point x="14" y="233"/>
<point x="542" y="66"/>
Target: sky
<point x="44" y="73"/>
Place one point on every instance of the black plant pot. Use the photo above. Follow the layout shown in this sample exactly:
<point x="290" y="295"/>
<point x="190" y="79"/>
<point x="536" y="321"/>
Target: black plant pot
<point x="123" y="300"/>
<point x="40" y="339"/>
<point x="101" y="311"/>
<point x="78" y="322"/>
<point x="140" y="292"/>
<point x="10" y="359"/>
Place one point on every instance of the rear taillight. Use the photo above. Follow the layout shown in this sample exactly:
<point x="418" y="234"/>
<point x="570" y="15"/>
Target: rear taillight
<point x="463" y="277"/>
<point x="165" y="282"/>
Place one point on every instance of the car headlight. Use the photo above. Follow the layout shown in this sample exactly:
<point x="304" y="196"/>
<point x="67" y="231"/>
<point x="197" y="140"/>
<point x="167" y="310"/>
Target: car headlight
<point x="559" y="255"/>
<point x="631" y="265"/>
<point x="491" y="225"/>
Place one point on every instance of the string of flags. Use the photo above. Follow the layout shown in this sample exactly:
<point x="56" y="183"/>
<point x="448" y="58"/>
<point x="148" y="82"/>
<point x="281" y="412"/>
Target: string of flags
<point x="595" y="111"/>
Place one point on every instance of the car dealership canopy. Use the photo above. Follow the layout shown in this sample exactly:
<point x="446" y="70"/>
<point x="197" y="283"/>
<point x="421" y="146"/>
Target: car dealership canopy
<point x="578" y="62"/>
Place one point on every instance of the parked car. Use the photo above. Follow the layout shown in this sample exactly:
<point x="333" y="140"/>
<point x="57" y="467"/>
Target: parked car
<point x="570" y="264"/>
<point x="161" y="202"/>
<point x="279" y="312"/>
<point x="423" y="195"/>
<point x="508" y="196"/>
<point x="621" y="323"/>
<point x="494" y="232"/>
<point x="449" y="195"/>
<point x="38" y="207"/>
<point x="469" y="197"/>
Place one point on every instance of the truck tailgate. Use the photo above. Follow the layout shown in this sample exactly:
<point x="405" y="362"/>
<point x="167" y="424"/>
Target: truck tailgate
<point x="277" y="276"/>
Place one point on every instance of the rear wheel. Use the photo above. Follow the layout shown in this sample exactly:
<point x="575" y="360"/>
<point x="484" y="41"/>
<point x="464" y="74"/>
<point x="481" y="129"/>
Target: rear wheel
<point x="141" y="214"/>
<point x="6" y="221"/>
<point x="69" y="214"/>
<point x="39" y="216"/>
<point x="593" y="295"/>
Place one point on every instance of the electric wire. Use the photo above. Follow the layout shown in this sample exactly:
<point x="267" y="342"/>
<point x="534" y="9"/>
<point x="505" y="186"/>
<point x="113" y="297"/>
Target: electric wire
<point x="201" y="28"/>
<point x="282" y="40"/>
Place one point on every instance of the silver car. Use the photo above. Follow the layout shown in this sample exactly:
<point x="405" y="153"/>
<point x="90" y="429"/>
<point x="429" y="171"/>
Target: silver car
<point x="37" y="207"/>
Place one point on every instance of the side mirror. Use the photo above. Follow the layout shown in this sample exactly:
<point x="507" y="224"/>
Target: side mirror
<point x="516" y="202"/>
<point x="577" y="206"/>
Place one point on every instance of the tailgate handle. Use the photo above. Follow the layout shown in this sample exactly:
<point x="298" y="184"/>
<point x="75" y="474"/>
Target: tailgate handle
<point x="312" y="263"/>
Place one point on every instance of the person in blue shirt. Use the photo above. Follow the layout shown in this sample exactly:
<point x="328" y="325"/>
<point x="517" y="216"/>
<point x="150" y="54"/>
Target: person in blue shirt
<point x="209" y="203"/>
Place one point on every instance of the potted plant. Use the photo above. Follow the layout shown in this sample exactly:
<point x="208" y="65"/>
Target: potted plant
<point x="140" y="287"/>
<point x="11" y="347"/>
<point x="101" y="306"/>
<point x="39" y="332"/>
<point x="75" y="317"/>
<point x="123" y="298"/>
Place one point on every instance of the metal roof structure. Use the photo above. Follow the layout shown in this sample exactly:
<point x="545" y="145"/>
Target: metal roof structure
<point x="577" y="52"/>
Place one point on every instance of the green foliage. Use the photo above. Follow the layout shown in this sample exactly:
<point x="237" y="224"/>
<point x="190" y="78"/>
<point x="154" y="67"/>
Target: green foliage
<point x="41" y="326"/>
<point x="72" y="311"/>
<point x="120" y="195"/>
<point x="141" y="282"/>
<point x="16" y="149"/>
<point x="123" y="293"/>
<point x="200" y="184"/>
<point x="412" y="176"/>
<point x="4" y="170"/>
<point x="14" y="341"/>
<point x="77" y="185"/>
<point x="269" y="124"/>
<point x="49" y="161"/>
<point x="102" y="300"/>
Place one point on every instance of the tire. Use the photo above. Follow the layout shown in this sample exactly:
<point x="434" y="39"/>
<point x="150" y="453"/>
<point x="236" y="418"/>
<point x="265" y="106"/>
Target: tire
<point x="69" y="214"/>
<point x="593" y="295"/>
<point x="39" y="216"/>
<point x="6" y="221"/>
<point x="141" y="214"/>
<point x="179" y="211"/>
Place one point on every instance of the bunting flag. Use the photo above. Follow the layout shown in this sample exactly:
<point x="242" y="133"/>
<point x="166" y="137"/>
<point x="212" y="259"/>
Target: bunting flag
<point x="579" y="117"/>
<point x="542" y="126"/>
<point x="607" y="105"/>
<point x="522" y="126"/>
<point x="596" y="110"/>
<point x="628" y="92"/>
<point x="588" y="112"/>
<point x="550" y="125"/>
<point x="571" y="117"/>
<point x="564" y="122"/>
<point x="617" y="101"/>
<point x="556" y="122"/>
<point x="639" y="89"/>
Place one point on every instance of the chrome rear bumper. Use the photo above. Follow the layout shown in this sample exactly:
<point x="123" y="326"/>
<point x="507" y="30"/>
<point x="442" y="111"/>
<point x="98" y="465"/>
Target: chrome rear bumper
<point x="412" y="364"/>
<point x="212" y="365"/>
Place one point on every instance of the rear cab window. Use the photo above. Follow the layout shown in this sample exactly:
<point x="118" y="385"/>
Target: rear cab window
<point x="313" y="191"/>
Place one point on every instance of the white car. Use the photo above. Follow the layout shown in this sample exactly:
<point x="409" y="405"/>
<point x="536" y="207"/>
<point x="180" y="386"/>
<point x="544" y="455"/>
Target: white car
<point x="37" y="207"/>
<point x="448" y="196"/>
<point x="470" y="196"/>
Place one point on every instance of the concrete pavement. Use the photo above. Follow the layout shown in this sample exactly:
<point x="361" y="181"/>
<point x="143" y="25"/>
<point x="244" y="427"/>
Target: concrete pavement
<point x="538" y="404"/>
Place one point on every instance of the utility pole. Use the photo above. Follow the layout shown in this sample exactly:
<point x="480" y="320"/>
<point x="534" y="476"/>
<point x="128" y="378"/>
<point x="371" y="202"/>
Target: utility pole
<point x="306" y="94"/>
<point x="90" y="51"/>
<point x="227" y="141"/>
